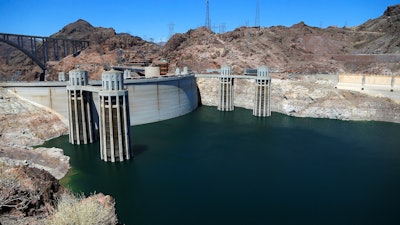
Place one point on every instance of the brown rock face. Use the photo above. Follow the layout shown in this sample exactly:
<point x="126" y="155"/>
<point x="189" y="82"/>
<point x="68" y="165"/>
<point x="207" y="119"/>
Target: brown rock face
<point x="385" y="30"/>
<point x="102" y="52"/>
<point x="27" y="194"/>
<point x="392" y="11"/>
<point x="296" y="49"/>
<point x="79" y="30"/>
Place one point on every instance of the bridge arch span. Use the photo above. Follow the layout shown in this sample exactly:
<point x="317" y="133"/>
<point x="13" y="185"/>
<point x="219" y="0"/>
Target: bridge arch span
<point x="43" y="49"/>
<point x="26" y="52"/>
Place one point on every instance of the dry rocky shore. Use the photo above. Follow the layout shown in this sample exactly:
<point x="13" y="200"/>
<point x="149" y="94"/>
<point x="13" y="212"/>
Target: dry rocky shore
<point x="23" y="125"/>
<point x="313" y="96"/>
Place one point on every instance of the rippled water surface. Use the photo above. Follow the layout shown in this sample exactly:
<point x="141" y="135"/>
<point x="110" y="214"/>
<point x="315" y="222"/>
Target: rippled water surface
<point x="211" y="167"/>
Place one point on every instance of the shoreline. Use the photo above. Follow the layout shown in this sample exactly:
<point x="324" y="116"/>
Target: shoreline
<point x="309" y="96"/>
<point x="51" y="160"/>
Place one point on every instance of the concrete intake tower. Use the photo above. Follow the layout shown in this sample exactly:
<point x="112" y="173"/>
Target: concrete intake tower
<point x="225" y="90"/>
<point x="80" y="104"/>
<point x="262" y="98"/>
<point x="114" y="122"/>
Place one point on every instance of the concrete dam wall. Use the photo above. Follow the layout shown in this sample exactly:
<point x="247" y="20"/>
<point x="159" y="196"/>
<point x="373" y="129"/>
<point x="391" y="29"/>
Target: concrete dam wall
<point x="150" y="100"/>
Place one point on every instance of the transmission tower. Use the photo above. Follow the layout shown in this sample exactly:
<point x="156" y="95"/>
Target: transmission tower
<point x="208" y="20"/>
<point x="222" y="28"/>
<point x="171" y="29"/>
<point x="257" y="20"/>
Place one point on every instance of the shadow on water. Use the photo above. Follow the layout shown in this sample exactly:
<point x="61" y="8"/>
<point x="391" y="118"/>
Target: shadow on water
<point x="139" y="149"/>
<point x="199" y="103"/>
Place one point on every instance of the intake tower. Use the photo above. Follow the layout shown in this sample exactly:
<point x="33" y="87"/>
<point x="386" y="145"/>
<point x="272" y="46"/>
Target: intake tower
<point x="80" y="104"/>
<point x="114" y="123"/>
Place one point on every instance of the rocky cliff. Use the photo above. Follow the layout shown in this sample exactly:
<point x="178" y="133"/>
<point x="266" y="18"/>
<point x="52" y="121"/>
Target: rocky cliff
<point x="22" y="125"/>
<point x="27" y="195"/>
<point x="308" y="96"/>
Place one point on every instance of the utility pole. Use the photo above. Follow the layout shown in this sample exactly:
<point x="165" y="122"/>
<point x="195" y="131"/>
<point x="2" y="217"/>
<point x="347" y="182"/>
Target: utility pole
<point x="208" y="20"/>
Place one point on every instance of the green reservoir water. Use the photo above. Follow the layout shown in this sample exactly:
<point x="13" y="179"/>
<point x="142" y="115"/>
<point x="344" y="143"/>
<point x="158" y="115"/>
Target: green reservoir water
<point x="211" y="167"/>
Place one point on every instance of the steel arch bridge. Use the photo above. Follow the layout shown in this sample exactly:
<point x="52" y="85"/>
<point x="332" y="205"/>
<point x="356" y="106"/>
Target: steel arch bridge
<point x="44" y="49"/>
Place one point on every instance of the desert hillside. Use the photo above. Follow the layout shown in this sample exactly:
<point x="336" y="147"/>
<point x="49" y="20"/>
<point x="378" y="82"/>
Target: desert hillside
<point x="372" y="47"/>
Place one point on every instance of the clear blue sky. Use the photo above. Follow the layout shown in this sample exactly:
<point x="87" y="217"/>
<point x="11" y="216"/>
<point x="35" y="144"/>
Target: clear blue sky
<point x="151" y="18"/>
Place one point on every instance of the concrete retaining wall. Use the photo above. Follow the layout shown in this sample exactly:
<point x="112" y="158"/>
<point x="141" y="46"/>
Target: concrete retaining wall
<point x="369" y="79"/>
<point x="378" y="80"/>
<point x="150" y="100"/>
<point x="375" y="85"/>
<point x="350" y="78"/>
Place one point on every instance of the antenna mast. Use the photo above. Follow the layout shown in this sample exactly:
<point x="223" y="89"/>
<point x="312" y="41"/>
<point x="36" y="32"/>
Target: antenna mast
<point x="257" y="20"/>
<point x="208" y="20"/>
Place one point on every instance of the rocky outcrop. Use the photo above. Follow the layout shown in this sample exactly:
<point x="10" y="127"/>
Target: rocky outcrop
<point x="308" y="96"/>
<point x="33" y="196"/>
<point x="51" y="160"/>
<point x="386" y="29"/>
<point x="23" y="124"/>
<point x="106" y="48"/>
<point x="102" y="52"/>
<point x="27" y="195"/>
